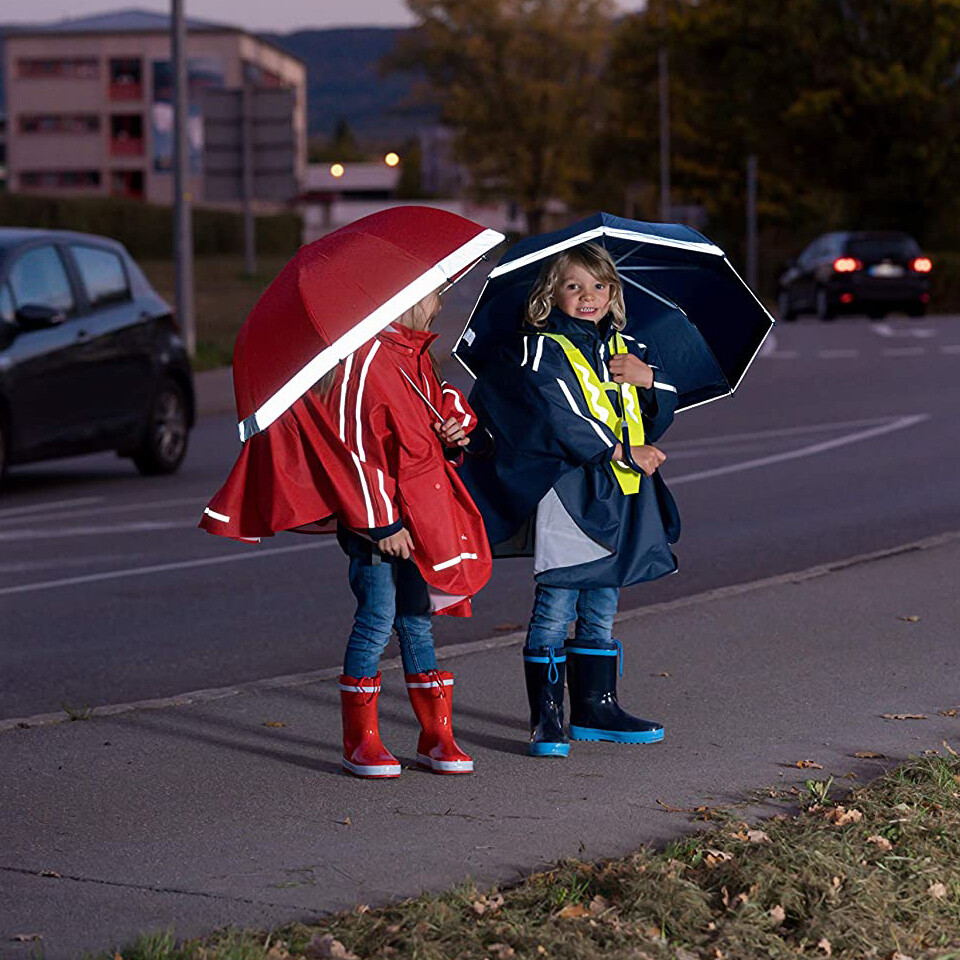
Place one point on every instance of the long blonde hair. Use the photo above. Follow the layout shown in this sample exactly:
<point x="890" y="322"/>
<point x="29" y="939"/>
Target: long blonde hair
<point x="592" y="258"/>
<point x="417" y="317"/>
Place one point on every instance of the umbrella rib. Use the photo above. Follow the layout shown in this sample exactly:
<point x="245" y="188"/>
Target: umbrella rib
<point x="656" y="296"/>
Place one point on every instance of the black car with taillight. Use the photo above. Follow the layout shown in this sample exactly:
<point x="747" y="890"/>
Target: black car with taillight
<point x="91" y="357"/>
<point x="864" y="272"/>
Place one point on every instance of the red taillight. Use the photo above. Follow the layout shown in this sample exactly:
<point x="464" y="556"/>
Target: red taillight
<point x="921" y="265"/>
<point x="846" y="298"/>
<point x="846" y="265"/>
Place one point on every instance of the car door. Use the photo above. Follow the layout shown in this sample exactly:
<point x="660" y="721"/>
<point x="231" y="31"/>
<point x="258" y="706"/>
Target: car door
<point x="804" y="287"/>
<point x="44" y="367"/>
<point x="119" y="341"/>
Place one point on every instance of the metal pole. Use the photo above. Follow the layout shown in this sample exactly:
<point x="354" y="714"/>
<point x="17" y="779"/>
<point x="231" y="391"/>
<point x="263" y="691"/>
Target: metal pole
<point x="249" y="224"/>
<point x="663" y="64"/>
<point x="182" y="216"/>
<point x="752" y="221"/>
<point x="665" y="203"/>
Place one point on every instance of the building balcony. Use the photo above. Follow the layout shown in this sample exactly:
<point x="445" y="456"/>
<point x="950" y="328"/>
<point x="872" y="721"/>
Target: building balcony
<point x="126" y="90"/>
<point x="126" y="147"/>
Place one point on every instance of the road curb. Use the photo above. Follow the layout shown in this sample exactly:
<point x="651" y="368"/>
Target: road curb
<point x="487" y="643"/>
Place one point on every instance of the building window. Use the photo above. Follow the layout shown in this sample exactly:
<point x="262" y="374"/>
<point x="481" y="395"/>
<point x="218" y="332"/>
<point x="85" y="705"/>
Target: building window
<point x="59" y="123"/>
<point x="126" y="79"/>
<point x="57" y="179"/>
<point x="85" y="68"/>
<point x="126" y="135"/>
<point x="127" y="183"/>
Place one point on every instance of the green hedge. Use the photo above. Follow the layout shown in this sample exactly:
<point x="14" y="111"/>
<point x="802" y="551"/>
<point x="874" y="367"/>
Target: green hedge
<point x="147" y="229"/>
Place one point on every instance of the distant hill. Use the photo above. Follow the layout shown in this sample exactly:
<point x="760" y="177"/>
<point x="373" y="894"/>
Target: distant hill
<point x="343" y="80"/>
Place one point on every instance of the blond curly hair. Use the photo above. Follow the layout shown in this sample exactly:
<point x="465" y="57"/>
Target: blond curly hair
<point x="592" y="258"/>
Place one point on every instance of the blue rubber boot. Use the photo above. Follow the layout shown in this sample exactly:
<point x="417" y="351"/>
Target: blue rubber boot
<point x="595" y="713"/>
<point x="544" y="669"/>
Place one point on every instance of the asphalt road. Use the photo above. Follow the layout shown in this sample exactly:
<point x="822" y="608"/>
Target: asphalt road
<point x="844" y="438"/>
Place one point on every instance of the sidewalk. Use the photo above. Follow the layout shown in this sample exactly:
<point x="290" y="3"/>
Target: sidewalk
<point x="231" y="809"/>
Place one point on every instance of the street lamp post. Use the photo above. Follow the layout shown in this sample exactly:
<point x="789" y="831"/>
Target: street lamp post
<point x="182" y="215"/>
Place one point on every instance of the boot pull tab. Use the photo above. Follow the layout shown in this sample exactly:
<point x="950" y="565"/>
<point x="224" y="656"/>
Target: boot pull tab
<point x="553" y="673"/>
<point x="619" y="658"/>
<point x="368" y="686"/>
<point x="437" y="682"/>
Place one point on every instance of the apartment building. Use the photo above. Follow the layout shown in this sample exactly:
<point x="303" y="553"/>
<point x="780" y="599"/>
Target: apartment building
<point x="90" y="102"/>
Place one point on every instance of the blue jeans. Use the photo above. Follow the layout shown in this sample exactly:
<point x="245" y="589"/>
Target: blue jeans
<point x="391" y="595"/>
<point x="555" y="607"/>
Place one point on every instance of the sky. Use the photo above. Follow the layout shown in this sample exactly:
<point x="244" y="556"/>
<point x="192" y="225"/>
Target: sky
<point x="278" y="15"/>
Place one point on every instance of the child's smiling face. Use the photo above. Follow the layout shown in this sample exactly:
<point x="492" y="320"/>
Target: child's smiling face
<point x="580" y="294"/>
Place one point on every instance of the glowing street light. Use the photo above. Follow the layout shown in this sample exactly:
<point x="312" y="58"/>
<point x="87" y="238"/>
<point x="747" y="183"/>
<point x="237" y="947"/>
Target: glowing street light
<point x="337" y="170"/>
<point x="391" y="159"/>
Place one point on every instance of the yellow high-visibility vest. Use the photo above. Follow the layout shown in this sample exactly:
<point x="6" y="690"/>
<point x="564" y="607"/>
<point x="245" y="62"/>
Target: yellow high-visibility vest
<point x="598" y="402"/>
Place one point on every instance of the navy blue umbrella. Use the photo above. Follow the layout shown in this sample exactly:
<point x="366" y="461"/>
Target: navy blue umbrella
<point x="682" y="296"/>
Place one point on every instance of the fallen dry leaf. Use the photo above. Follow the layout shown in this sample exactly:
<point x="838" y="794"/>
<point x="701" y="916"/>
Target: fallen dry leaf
<point x="574" y="912"/>
<point x="903" y="716"/>
<point x="840" y="816"/>
<point x="952" y="712"/>
<point x="661" y="674"/>
<point x="825" y="945"/>
<point x="757" y="836"/>
<point x="713" y="857"/>
<point x="869" y="755"/>
<point x="327" y="948"/>
<point x="836" y="883"/>
<point x="809" y="765"/>
<point x="778" y="914"/>
<point x="897" y="955"/>
<point x="345" y="822"/>
<point x="488" y="904"/>
<point x="502" y="950"/>
<point x="278" y="951"/>
<point x="882" y="842"/>
<point x="910" y="619"/>
<point x="27" y="937"/>
<point x="599" y="905"/>
<point x="50" y="873"/>
<point x="274" y="723"/>
<point x="937" y="890"/>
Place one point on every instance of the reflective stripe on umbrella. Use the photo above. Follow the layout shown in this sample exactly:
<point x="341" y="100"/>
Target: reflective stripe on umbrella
<point x="337" y="293"/>
<point x="682" y="295"/>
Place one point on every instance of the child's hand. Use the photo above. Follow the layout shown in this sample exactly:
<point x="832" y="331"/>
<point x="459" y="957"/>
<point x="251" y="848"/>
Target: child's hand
<point x="451" y="432"/>
<point x="648" y="458"/>
<point x="398" y="545"/>
<point x="626" y="368"/>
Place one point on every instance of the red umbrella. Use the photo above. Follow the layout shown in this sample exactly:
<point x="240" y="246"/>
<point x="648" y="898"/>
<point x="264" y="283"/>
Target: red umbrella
<point x="337" y="293"/>
<point x="301" y="465"/>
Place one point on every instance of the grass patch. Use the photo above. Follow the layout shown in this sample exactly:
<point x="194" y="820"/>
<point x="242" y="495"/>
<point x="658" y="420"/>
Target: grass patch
<point x="224" y="296"/>
<point x="876" y="874"/>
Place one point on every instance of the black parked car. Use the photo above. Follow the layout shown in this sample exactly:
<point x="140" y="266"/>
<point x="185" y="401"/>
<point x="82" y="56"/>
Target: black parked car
<point x="856" y="272"/>
<point x="91" y="357"/>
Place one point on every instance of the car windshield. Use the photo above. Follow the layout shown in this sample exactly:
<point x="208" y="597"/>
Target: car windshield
<point x="883" y="248"/>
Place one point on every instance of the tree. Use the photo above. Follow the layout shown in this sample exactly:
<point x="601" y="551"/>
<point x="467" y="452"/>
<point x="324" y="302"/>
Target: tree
<point x="853" y="107"/>
<point x="520" y="82"/>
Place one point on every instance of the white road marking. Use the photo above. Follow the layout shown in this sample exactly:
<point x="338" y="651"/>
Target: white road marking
<point x="782" y="355"/>
<point x="141" y="507"/>
<point x="783" y="432"/>
<point x="46" y="507"/>
<point x="882" y="329"/>
<point x="837" y="354"/>
<point x="888" y="330"/>
<point x="900" y="423"/>
<point x="56" y="533"/>
<point x="253" y="553"/>
<point x="769" y="345"/>
<point x="951" y="348"/>
<point x="904" y="351"/>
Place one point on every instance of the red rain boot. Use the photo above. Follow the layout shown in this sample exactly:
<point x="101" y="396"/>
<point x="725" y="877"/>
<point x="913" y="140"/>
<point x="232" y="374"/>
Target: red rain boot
<point x="431" y="694"/>
<point x="363" y="753"/>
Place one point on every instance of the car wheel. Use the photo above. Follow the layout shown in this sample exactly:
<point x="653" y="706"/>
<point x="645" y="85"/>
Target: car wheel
<point x="824" y="309"/>
<point x="164" y="443"/>
<point x="917" y="310"/>
<point x="785" y="309"/>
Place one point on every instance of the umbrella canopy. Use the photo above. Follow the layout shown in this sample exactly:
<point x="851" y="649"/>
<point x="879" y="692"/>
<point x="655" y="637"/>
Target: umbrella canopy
<point x="337" y="293"/>
<point x="681" y="293"/>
